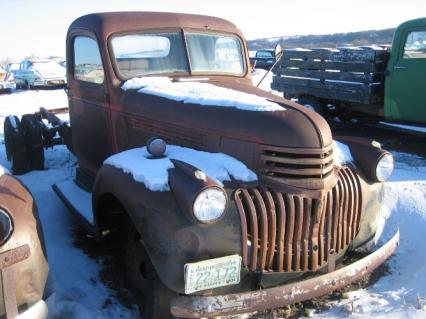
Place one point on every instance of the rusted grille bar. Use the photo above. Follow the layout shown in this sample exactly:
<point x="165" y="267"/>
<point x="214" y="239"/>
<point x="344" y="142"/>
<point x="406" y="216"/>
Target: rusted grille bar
<point x="303" y="167"/>
<point x="283" y="232"/>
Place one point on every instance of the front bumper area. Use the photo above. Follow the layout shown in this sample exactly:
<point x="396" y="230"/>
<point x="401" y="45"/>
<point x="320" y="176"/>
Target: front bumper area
<point x="246" y="302"/>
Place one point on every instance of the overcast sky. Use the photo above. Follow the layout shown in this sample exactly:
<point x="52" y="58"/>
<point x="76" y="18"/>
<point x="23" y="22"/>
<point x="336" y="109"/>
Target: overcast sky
<point x="39" y="26"/>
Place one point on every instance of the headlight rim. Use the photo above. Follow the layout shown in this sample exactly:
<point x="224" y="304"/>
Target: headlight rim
<point x="213" y="221"/>
<point x="385" y="154"/>
<point x="5" y="238"/>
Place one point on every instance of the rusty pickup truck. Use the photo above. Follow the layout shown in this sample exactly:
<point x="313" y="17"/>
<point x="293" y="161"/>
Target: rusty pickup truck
<point x="240" y="201"/>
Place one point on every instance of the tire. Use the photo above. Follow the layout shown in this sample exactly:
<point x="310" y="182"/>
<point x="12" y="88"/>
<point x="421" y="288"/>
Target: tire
<point x="154" y="298"/>
<point x="311" y="103"/>
<point x="16" y="147"/>
<point x="34" y="141"/>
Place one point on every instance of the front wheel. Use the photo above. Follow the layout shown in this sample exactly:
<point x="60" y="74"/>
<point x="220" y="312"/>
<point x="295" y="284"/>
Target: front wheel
<point x="153" y="297"/>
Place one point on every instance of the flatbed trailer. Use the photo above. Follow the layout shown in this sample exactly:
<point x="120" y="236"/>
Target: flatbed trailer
<point x="375" y="82"/>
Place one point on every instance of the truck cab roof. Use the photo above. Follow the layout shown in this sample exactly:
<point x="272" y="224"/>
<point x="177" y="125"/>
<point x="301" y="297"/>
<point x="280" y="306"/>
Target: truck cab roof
<point x="105" y="24"/>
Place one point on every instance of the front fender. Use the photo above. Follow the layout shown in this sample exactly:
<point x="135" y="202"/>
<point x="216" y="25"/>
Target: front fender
<point x="170" y="238"/>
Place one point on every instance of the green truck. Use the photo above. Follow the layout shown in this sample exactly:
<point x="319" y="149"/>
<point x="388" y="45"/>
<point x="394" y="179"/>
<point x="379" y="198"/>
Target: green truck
<point x="370" y="82"/>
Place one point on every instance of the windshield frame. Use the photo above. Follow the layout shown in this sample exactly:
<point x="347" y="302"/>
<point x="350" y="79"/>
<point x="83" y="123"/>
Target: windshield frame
<point x="183" y="32"/>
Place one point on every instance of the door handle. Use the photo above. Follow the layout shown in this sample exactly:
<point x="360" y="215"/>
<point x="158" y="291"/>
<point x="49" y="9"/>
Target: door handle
<point x="399" y="67"/>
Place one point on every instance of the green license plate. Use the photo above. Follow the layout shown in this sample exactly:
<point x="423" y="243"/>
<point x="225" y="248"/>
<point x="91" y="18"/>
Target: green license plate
<point x="212" y="273"/>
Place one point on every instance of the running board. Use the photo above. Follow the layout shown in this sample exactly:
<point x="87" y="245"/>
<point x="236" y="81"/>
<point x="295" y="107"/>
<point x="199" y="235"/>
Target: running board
<point x="78" y="201"/>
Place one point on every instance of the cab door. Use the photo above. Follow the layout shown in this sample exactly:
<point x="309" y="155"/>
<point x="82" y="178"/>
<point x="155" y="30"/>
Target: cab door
<point x="407" y="94"/>
<point x="88" y="103"/>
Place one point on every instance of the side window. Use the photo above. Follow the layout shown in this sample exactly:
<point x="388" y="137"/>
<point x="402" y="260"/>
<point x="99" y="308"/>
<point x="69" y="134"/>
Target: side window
<point x="415" y="45"/>
<point x="87" y="61"/>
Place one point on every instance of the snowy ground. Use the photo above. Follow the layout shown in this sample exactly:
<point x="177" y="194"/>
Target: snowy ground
<point x="80" y="292"/>
<point x="395" y="295"/>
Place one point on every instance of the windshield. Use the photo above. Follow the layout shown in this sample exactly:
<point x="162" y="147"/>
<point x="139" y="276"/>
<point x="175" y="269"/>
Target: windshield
<point x="142" y="54"/>
<point x="264" y="54"/>
<point x="164" y="53"/>
<point x="210" y="53"/>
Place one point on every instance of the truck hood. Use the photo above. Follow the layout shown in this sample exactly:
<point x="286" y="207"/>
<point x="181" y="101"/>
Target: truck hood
<point x="286" y="125"/>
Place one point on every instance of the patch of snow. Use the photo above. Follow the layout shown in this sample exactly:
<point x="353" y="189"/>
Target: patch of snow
<point x="420" y="129"/>
<point x="3" y="170"/>
<point x="64" y="117"/>
<point x="342" y="154"/>
<point x="201" y="93"/>
<point x="154" y="172"/>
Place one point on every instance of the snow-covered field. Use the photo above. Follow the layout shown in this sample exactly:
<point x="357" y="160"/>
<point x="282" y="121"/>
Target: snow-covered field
<point x="80" y="292"/>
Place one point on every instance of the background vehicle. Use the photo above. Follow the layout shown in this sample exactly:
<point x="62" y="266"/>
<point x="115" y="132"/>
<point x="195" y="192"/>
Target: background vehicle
<point x="12" y="67"/>
<point x="372" y="82"/>
<point x="245" y="186"/>
<point x="263" y="59"/>
<point x="7" y="81"/>
<point x="40" y="73"/>
<point x="24" y="267"/>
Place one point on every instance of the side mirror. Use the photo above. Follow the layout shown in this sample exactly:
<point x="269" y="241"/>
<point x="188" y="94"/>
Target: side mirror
<point x="278" y="50"/>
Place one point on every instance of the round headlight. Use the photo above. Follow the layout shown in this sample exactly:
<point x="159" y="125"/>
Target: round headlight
<point x="209" y="205"/>
<point x="6" y="226"/>
<point x="384" y="167"/>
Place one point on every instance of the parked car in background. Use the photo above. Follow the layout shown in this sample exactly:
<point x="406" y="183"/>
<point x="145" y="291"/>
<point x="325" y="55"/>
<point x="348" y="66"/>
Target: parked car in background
<point x="263" y="59"/>
<point x="7" y="81"/>
<point x="40" y="73"/>
<point x="12" y="67"/>
<point x="23" y="260"/>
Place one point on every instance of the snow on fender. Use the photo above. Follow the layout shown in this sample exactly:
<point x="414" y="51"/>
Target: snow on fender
<point x="153" y="172"/>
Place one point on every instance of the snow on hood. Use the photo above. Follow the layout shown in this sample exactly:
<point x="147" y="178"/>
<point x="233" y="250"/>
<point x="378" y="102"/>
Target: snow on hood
<point x="154" y="172"/>
<point x="201" y="93"/>
<point x="342" y="154"/>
